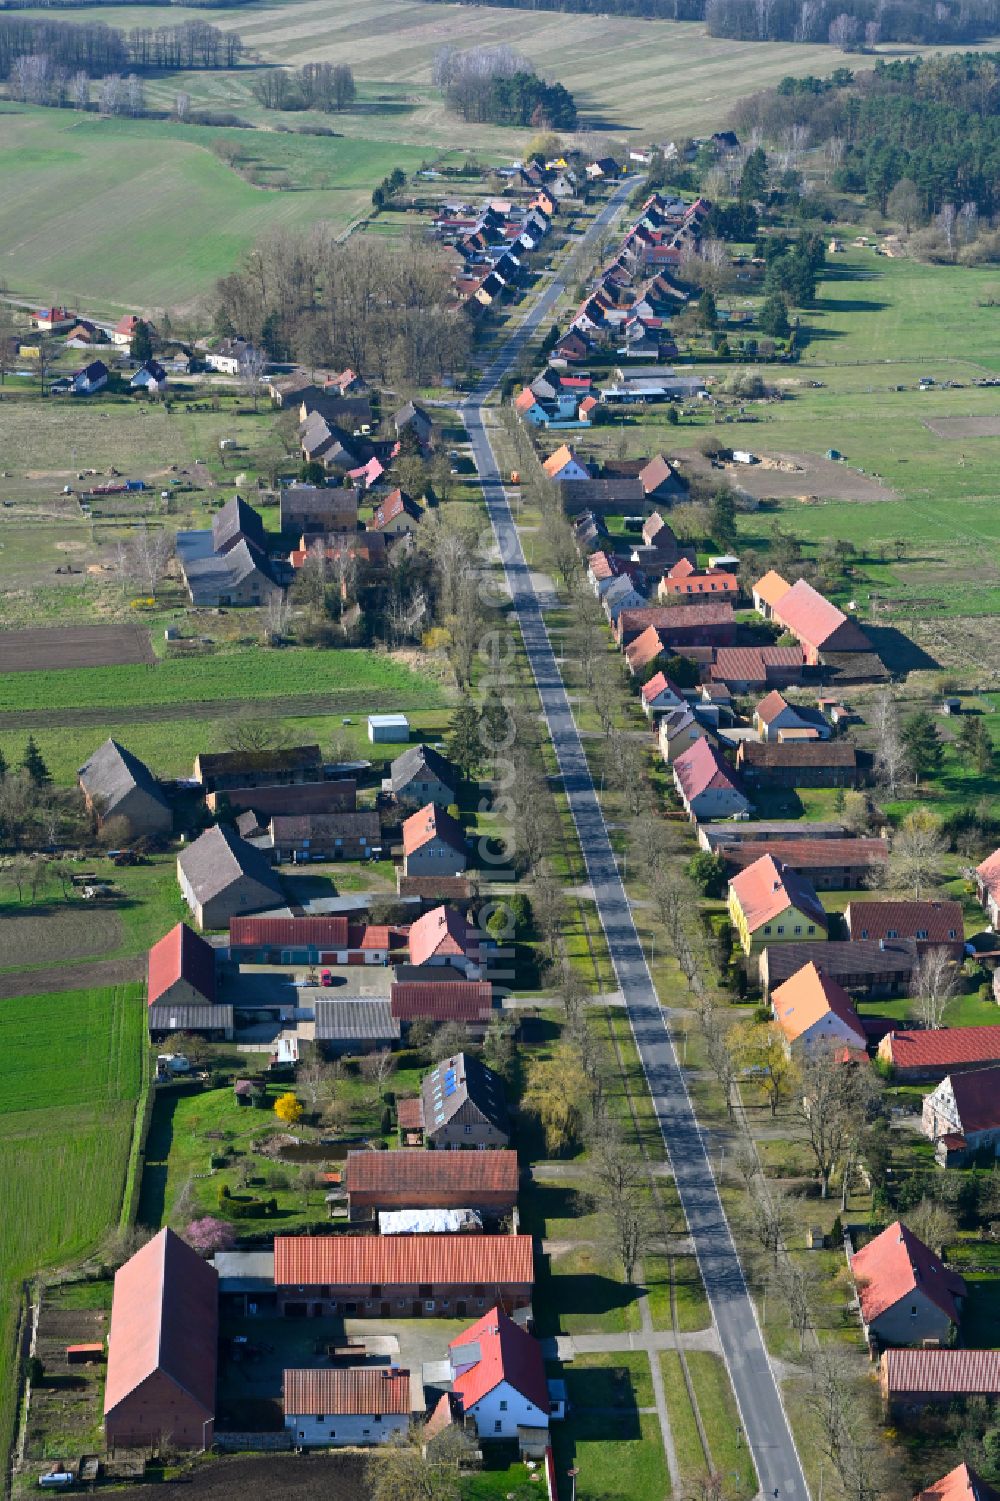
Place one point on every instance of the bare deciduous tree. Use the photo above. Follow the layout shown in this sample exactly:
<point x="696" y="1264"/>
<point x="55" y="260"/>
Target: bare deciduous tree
<point x="935" y="983"/>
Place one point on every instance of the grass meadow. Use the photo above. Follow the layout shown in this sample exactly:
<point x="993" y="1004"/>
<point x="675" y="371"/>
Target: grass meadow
<point x="351" y="677"/>
<point x="70" y="1075"/>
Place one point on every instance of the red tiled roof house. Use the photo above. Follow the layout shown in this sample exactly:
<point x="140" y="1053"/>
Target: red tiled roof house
<point x="963" y="1113"/>
<point x="331" y="1409"/>
<point x="936" y="1052"/>
<point x="707" y="786"/>
<point x="930" y="924"/>
<point x="905" y="1293"/>
<point x="812" y="1011"/>
<point x="499" y="1377"/>
<point x="911" y="1379"/>
<point x="433" y="843"/>
<point x="771" y="903"/>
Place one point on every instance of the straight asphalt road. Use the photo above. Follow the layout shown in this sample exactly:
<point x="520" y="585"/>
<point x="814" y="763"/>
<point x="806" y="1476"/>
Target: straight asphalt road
<point x="765" y="1423"/>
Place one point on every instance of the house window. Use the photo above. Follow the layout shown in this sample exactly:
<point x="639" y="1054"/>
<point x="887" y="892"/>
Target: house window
<point x="468" y="1130"/>
<point x="503" y="1407"/>
<point x="781" y="927"/>
<point x="951" y="933"/>
<point x="767" y="931"/>
<point x="798" y="928"/>
<point x="498" y="1426"/>
<point x="320" y="1417"/>
<point x="812" y="928"/>
<point x="913" y="1310"/>
<point x="892" y="933"/>
<point x="921" y="932"/>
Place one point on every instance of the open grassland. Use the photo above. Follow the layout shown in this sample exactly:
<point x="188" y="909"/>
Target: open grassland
<point x="70" y="1074"/>
<point x="347" y="677"/>
<point x="141" y="213"/>
<point x="933" y="548"/>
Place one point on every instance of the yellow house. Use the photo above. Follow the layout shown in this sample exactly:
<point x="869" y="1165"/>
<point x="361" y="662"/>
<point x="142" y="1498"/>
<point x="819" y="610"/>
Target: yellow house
<point x="769" y="903"/>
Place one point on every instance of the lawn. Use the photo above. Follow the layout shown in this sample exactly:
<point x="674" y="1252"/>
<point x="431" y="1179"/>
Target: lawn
<point x="683" y="1426"/>
<point x="69" y="1079"/>
<point x="617" y="1455"/>
<point x="581" y="1292"/>
<point x="350" y="679"/>
<point x="720" y="1418"/>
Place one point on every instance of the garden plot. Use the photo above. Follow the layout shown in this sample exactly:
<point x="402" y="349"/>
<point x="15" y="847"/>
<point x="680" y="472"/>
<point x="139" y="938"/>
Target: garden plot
<point x="984" y="426"/>
<point x="74" y="646"/>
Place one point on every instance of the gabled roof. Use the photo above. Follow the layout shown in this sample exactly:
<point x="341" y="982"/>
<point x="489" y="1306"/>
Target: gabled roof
<point x="272" y="760"/>
<point x="767" y="888"/>
<point x="656" y="474"/>
<point x="501" y="1351"/>
<point x="896" y="1264"/>
<point x="942" y="1048"/>
<point x="930" y="922"/>
<point x="977" y="1098"/>
<point x="362" y="1391"/>
<point x="460" y="1081"/>
<point x="525" y="400"/>
<point x="645" y="648"/>
<point x="289" y="932"/>
<point x="702" y="767"/>
<point x="749" y="664"/>
<point x="237" y="520"/>
<point x="396" y="503"/>
<point x="795" y="754"/>
<point x="556" y="461"/>
<point x="429" y="823"/>
<point x="771" y="588"/>
<point x="354" y="1260"/>
<point x="164" y="1318"/>
<point x="462" y="1000"/>
<point x="657" y="685"/>
<point x="219" y="858"/>
<point x="442" y="931"/>
<point x="770" y="706"/>
<point x="989" y="873"/>
<point x="810" y="996"/>
<point x="960" y="1484"/>
<point x="805" y="612"/>
<point x="682" y="569"/>
<point x="416" y="760"/>
<point x="181" y="954"/>
<point x="958" y="1373"/>
<point x="113" y="773"/>
<point x="429" y="1172"/>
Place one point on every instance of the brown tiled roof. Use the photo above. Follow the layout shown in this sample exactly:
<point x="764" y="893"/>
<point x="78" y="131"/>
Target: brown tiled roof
<point x="977" y="1099"/>
<point x="807" y="854"/>
<point x="353" y="1260"/>
<point x="410" y="1114"/>
<point x="359" y="823"/>
<point x="928" y="922"/>
<point x="749" y="664"/>
<point x="958" y="1373"/>
<point x="426" y="1172"/>
<point x="798" y="753"/>
<point x="362" y="1390"/>
<point x="685" y="617"/>
<point x="463" y="1000"/>
<point x="288" y="932"/>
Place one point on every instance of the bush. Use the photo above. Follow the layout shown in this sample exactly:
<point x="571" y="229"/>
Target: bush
<point x="708" y="872"/>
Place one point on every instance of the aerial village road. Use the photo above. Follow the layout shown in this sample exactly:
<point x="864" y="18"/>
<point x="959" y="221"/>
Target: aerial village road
<point x="765" y="1423"/>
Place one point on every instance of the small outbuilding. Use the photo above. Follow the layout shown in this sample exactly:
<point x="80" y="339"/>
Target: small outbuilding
<point x="388" y="728"/>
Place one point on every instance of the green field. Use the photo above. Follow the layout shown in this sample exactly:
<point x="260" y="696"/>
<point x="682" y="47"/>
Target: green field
<point x="239" y="676"/>
<point x="70" y="1074"/>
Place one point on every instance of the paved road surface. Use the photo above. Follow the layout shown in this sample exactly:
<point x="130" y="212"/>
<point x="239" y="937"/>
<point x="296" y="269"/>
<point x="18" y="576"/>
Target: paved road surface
<point x="764" y="1421"/>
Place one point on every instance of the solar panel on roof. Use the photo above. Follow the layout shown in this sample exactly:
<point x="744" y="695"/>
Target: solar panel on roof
<point x="450" y="1088"/>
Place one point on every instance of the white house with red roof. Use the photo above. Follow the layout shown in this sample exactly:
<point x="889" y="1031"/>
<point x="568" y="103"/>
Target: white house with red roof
<point x="433" y="843"/>
<point x="444" y="936"/>
<point x="960" y="1484"/>
<point x="50" y="319"/>
<point x="498" y="1377"/>
<point x="660" y="695"/>
<point x="813" y="1011"/>
<point x="707" y="785"/>
<point x="125" y="330"/>
<point x="906" y="1294"/>
<point x="988" y="887"/>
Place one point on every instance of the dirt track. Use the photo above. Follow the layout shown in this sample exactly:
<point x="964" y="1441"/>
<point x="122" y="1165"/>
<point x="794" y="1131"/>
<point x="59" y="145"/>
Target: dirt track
<point x="74" y="646"/>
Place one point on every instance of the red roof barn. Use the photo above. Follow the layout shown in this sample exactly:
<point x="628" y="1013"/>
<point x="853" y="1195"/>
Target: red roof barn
<point x="162" y="1348"/>
<point x="181" y="969"/>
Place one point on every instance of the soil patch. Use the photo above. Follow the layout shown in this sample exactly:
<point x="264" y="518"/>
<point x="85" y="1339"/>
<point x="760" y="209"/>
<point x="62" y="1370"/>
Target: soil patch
<point x="74" y="932"/>
<point x="790" y="476"/>
<point x="308" y="1477"/>
<point x="65" y="1410"/>
<point x="964" y="427"/>
<point x="106" y="972"/>
<point x="74" y="646"/>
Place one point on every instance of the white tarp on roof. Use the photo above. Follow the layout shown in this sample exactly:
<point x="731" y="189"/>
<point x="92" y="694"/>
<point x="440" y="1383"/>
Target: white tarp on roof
<point x="427" y="1221"/>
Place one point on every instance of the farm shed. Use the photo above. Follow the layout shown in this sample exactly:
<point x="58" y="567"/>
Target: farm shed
<point x="220" y="876"/>
<point x="388" y="728"/>
<point x="117" y="785"/>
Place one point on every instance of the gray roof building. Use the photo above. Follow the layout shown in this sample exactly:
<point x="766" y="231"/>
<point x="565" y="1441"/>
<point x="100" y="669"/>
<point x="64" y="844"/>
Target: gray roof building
<point x="221" y="876"/>
<point x="202" y="1019"/>
<point x="420" y="766"/>
<point x="117" y="784"/>
<point x="237" y="522"/>
<point x="355" y="1022"/>
<point x="463" y="1096"/>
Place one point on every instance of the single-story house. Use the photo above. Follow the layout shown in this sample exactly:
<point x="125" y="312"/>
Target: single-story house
<point x="771" y="903"/>
<point x="401" y="1276"/>
<point x="150" y="376"/>
<point x="117" y="785"/>
<point x="397" y="515"/>
<point x="680" y="625"/>
<point x="774" y="717"/>
<point x="746" y="669"/>
<point x="812" y="1011"/>
<point x="332" y="939"/>
<point x="220" y="876"/>
<point x="331" y="1409"/>
<point x="684" y="582"/>
<point x="287" y="798"/>
<point x="563" y="465"/>
<point x="444" y="936"/>
<point x="91" y="379"/>
<point x="317" y="510"/>
<point x="766" y="593"/>
<point x="906" y="1294"/>
<point x="660" y="695"/>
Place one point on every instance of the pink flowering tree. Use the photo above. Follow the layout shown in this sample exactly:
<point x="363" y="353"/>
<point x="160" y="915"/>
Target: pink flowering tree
<point x="208" y="1235"/>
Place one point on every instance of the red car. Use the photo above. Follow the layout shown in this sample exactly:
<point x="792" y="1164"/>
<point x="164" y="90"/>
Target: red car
<point x="326" y="978"/>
